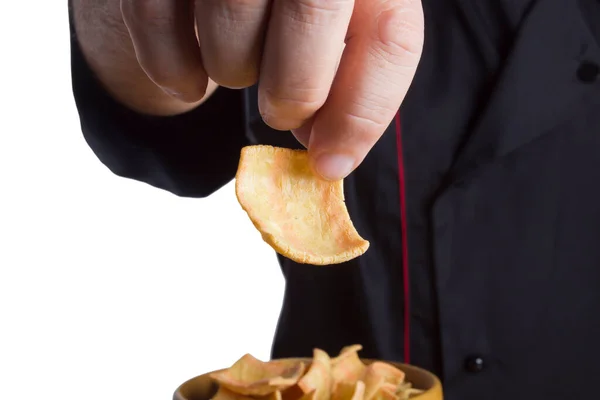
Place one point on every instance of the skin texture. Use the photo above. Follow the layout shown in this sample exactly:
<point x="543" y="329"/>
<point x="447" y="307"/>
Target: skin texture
<point x="334" y="72"/>
<point x="108" y="48"/>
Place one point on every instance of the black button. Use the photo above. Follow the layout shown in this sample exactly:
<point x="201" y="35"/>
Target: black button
<point x="588" y="72"/>
<point x="474" y="364"/>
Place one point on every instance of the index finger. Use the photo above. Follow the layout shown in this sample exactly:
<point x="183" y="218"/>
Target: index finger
<point x="383" y="49"/>
<point x="303" y="44"/>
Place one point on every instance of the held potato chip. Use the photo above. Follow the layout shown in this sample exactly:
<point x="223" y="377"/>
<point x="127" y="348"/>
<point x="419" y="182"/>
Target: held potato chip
<point x="252" y="377"/>
<point x="300" y="215"/>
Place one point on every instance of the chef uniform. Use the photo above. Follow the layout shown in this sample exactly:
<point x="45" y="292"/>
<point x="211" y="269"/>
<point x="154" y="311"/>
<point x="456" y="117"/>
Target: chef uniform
<point x="481" y="202"/>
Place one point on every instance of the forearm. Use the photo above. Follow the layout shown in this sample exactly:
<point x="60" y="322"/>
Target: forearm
<point x="108" y="49"/>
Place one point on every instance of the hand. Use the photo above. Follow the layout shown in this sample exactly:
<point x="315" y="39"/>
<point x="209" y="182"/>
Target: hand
<point x="333" y="71"/>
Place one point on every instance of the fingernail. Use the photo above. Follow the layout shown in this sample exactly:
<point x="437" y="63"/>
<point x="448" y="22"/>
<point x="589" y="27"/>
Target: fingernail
<point x="173" y="93"/>
<point x="334" y="166"/>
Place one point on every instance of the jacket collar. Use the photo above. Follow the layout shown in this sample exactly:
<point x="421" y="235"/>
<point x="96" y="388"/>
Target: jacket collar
<point x="538" y="88"/>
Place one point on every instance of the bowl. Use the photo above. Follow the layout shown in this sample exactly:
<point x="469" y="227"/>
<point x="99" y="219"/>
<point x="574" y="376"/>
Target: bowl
<point x="202" y="387"/>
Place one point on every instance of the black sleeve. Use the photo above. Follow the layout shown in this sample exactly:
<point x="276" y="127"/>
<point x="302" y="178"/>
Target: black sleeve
<point x="190" y="155"/>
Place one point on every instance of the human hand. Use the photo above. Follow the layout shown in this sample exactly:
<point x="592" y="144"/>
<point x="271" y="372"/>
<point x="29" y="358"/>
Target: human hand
<point x="334" y="72"/>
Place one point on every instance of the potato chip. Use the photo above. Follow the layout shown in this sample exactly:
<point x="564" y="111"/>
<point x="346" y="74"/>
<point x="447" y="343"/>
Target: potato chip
<point x="405" y="391"/>
<point x="382" y="391"/>
<point x="300" y="215"/>
<point x="344" y="377"/>
<point x="318" y="377"/>
<point x="385" y="393"/>
<point x="347" y="366"/>
<point x="252" y="377"/>
<point x="390" y="387"/>
<point x="349" y="391"/>
<point x="347" y="351"/>
<point x="382" y="381"/>
<point x="374" y="382"/>
<point x="390" y="374"/>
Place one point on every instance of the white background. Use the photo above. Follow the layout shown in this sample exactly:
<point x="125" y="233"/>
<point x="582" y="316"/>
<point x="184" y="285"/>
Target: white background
<point x="109" y="289"/>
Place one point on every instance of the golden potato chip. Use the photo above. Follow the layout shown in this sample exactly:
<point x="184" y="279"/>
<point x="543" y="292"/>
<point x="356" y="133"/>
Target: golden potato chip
<point x="348" y="350"/>
<point x="390" y="374"/>
<point x="252" y="377"/>
<point x="382" y="381"/>
<point x="347" y="366"/>
<point x="405" y="391"/>
<point x="349" y="391"/>
<point x="373" y="382"/>
<point x="300" y="215"/>
<point x="344" y="377"/>
<point x="318" y="376"/>
<point x="385" y="393"/>
<point x="390" y="387"/>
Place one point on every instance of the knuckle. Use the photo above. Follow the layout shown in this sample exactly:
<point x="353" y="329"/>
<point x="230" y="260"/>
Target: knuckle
<point x="233" y="70"/>
<point x="317" y="11"/>
<point x="322" y="5"/>
<point x="155" y="13"/>
<point x="288" y="110"/>
<point x="240" y="4"/>
<point x="369" y="112"/>
<point x="298" y="101"/>
<point x="236" y="10"/>
<point x="400" y="28"/>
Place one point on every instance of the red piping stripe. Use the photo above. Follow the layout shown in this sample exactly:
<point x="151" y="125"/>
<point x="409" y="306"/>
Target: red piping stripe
<point x="405" y="274"/>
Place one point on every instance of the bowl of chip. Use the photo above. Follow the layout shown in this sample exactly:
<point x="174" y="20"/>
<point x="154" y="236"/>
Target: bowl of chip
<point x="344" y="377"/>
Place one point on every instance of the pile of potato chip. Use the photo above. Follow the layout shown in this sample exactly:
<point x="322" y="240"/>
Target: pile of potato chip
<point x="344" y="377"/>
<point x="300" y="215"/>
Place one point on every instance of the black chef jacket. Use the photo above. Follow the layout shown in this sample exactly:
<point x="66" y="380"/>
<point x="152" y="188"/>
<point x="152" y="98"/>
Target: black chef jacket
<point x="481" y="202"/>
